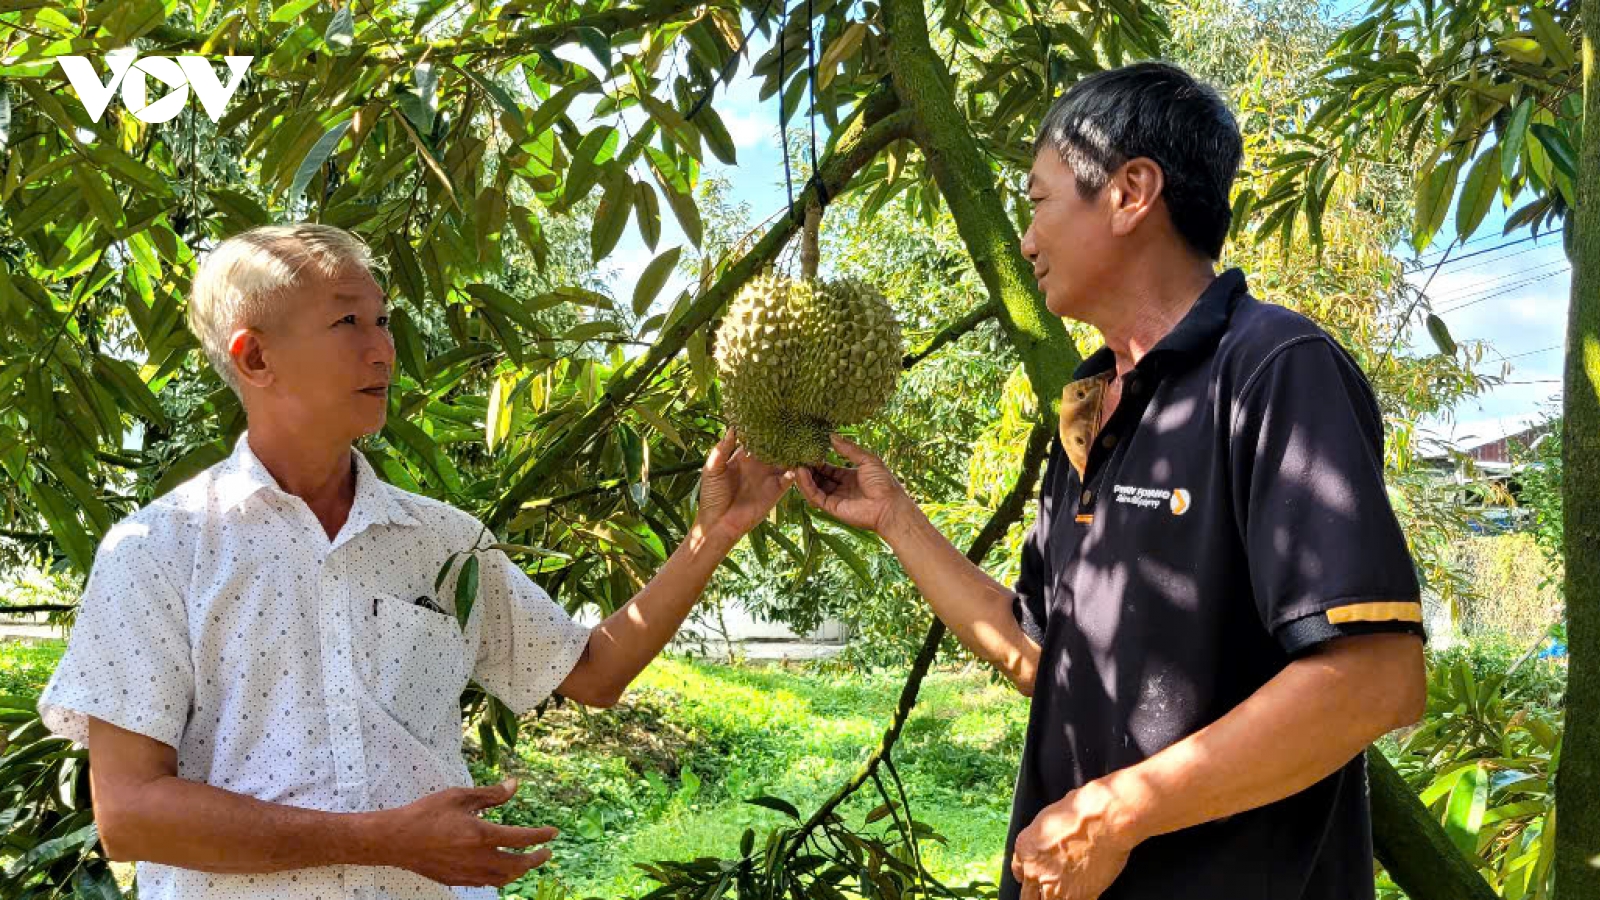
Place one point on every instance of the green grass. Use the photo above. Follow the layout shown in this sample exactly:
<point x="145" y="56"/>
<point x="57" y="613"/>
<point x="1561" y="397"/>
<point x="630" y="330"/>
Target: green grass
<point x="665" y="774"/>
<point x="25" y="667"/>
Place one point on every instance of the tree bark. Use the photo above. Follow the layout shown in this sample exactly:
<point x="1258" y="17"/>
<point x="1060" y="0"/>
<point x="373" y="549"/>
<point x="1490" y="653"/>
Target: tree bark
<point x="1578" y="780"/>
<point x="966" y="181"/>
<point x="1412" y="847"/>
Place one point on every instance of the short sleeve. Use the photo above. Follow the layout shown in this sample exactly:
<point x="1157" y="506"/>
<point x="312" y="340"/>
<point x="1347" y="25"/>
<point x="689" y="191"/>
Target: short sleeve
<point x="527" y="644"/>
<point x="1325" y="552"/>
<point x="1028" y="605"/>
<point x="127" y="661"/>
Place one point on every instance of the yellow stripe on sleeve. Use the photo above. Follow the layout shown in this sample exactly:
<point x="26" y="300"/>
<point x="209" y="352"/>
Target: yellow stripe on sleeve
<point x="1408" y="611"/>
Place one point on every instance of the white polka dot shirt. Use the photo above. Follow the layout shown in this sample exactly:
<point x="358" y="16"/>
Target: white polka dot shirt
<point x="222" y="621"/>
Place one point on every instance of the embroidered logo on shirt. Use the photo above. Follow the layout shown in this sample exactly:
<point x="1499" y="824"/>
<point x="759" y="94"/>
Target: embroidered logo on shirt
<point x="1178" y="500"/>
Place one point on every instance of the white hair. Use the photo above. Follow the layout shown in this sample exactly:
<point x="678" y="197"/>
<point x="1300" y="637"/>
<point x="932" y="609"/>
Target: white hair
<point x="242" y="281"/>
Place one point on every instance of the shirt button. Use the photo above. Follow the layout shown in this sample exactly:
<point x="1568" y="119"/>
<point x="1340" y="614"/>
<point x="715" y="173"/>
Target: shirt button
<point x="1108" y="441"/>
<point x="1088" y="497"/>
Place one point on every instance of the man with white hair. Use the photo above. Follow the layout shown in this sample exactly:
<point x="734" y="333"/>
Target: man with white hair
<point x="262" y="669"/>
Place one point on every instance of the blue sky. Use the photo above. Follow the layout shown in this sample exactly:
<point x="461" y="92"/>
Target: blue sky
<point x="1514" y="298"/>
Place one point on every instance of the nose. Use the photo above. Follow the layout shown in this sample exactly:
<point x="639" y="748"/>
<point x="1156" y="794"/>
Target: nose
<point x="381" y="351"/>
<point x="1030" y="247"/>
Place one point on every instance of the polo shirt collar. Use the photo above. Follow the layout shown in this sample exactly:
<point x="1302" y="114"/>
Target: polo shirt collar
<point x="1195" y="335"/>
<point x="242" y="475"/>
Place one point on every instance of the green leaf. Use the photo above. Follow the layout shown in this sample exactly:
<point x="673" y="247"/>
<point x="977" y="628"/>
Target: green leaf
<point x="673" y="123"/>
<point x="319" y="154"/>
<point x="1441" y="335"/>
<point x="503" y="303"/>
<point x="651" y="280"/>
<point x="1557" y="45"/>
<point x="647" y="210"/>
<point x="189" y="465"/>
<point x="842" y="48"/>
<point x="404" y="434"/>
<point x="1511" y="141"/>
<point x="1433" y="200"/>
<point x="1557" y="144"/>
<point x="1477" y="195"/>
<point x="1464" y="813"/>
<point x="585" y="171"/>
<point x="94" y="881"/>
<point x="64" y="526"/>
<point x="612" y="215"/>
<point x="406" y="271"/>
<point x="1522" y="49"/>
<point x="466" y="588"/>
<point x="341" y="33"/>
<point x="290" y="11"/>
<point x="845" y="552"/>
<point x="595" y="41"/>
<point x="408" y="345"/>
<point x="716" y="135"/>
<point x="501" y="96"/>
<point x="419" y="102"/>
<point x="121" y="377"/>
<point x="589" y="330"/>
<point x="777" y="805"/>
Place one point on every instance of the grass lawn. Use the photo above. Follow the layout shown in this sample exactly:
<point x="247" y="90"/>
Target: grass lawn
<point x="665" y="774"/>
<point x="25" y="667"/>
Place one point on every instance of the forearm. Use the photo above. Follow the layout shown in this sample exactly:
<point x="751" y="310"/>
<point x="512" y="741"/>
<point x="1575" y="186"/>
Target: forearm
<point x="184" y="823"/>
<point x="975" y="607"/>
<point x="621" y="646"/>
<point x="1302" y="726"/>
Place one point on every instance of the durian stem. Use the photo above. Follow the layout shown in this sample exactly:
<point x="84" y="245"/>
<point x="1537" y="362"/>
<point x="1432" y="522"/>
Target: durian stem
<point x="858" y="144"/>
<point x="1005" y="515"/>
<point x="810" y="251"/>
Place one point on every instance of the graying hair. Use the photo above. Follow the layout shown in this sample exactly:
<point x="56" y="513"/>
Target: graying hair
<point x="244" y="279"/>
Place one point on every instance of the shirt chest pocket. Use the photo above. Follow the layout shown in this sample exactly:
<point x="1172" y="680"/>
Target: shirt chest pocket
<point x="417" y="667"/>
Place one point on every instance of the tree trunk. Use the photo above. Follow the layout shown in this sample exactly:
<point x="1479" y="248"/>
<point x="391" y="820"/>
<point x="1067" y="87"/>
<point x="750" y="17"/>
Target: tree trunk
<point x="1578" y="780"/>
<point x="1411" y="845"/>
<point x="966" y="181"/>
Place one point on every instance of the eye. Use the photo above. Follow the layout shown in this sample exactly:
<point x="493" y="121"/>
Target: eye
<point x="347" y="320"/>
<point x="383" y="321"/>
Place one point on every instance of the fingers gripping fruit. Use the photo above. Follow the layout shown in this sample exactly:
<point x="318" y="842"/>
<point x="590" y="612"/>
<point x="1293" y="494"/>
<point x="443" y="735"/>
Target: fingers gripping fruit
<point x="799" y="359"/>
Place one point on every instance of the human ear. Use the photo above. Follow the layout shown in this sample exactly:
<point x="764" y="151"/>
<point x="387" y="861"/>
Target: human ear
<point x="1135" y="188"/>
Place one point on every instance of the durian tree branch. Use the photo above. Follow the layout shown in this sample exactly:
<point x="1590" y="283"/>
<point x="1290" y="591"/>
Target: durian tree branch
<point x="1005" y="515"/>
<point x="861" y="141"/>
<point x="966" y="180"/>
<point x="1407" y="839"/>
<point x="613" y="21"/>
<point x="951" y="333"/>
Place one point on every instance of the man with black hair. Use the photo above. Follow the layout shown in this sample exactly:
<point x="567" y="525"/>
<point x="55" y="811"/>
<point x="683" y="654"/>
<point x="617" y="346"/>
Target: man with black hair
<point x="1217" y="612"/>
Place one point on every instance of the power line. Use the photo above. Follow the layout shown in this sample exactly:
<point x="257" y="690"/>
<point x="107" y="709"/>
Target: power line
<point x="1472" y="289"/>
<point x="1531" y="352"/>
<point x="1499" y="293"/>
<point x="1474" y="253"/>
<point x="1496" y="260"/>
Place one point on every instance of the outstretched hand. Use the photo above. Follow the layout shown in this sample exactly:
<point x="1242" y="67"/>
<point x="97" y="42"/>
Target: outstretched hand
<point x="867" y="495"/>
<point x="737" y="490"/>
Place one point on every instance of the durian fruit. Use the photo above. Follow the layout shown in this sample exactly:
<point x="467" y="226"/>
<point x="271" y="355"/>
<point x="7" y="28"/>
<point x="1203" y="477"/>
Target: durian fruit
<point x="799" y="359"/>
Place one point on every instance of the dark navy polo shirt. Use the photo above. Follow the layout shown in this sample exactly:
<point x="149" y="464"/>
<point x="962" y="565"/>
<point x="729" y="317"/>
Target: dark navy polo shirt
<point x="1230" y="516"/>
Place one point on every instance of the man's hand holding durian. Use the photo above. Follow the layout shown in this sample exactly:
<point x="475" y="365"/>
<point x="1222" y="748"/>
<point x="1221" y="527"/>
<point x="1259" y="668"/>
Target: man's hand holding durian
<point x="975" y="607"/>
<point x="736" y="493"/>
